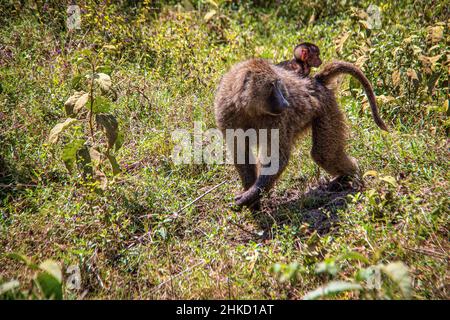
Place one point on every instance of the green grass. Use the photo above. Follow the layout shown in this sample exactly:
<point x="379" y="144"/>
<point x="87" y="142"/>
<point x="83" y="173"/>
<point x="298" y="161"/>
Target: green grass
<point x="165" y="68"/>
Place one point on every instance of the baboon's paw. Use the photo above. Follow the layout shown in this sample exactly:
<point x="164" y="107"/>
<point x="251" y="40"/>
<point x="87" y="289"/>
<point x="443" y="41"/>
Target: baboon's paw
<point x="340" y="184"/>
<point x="249" y="198"/>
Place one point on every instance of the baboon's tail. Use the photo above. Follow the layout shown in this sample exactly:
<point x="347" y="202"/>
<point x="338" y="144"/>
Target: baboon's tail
<point x="334" y="69"/>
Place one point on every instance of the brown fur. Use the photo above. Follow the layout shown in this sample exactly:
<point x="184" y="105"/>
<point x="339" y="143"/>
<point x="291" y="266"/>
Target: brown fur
<point x="242" y="102"/>
<point x="336" y="68"/>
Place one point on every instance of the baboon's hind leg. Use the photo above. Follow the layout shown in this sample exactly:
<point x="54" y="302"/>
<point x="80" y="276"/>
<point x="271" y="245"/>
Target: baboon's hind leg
<point x="329" y="137"/>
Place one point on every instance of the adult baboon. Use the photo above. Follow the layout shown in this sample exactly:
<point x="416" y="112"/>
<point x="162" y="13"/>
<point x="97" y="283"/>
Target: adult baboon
<point x="256" y="94"/>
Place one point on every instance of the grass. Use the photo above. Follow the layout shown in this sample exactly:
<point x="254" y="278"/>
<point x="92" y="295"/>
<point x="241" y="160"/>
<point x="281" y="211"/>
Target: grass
<point x="165" y="67"/>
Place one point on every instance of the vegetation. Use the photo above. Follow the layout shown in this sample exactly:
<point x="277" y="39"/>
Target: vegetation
<point x="123" y="217"/>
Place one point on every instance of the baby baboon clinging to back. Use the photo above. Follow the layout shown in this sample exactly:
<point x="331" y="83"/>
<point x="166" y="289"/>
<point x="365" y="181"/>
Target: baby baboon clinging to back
<point x="306" y="56"/>
<point x="255" y="94"/>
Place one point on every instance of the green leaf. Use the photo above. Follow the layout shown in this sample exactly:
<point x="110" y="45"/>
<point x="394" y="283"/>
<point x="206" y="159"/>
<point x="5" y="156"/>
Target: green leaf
<point x="86" y="52"/>
<point x="329" y="267"/>
<point x="114" y="164"/>
<point x="84" y="161"/>
<point x="372" y="173"/>
<point x="119" y="141"/>
<point x="52" y="268"/>
<point x="187" y="5"/>
<point x="59" y="128"/>
<point x="332" y="288"/>
<point x="101" y="105"/>
<point x="69" y="153"/>
<point x="103" y="80"/>
<point x="399" y="273"/>
<point x="353" y="256"/>
<point x="8" y="286"/>
<point x="390" y="180"/>
<point x="209" y="15"/>
<point x="103" y="68"/>
<point x="276" y="268"/>
<point x="109" y="47"/>
<point x="77" y="82"/>
<point x="22" y="258"/>
<point x="162" y="232"/>
<point x="50" y="286"/>
<point x="364" y="274"/>
<point x="290" y="273"/>
<point x="109" y="123"/>
<point x="213" y="3"/>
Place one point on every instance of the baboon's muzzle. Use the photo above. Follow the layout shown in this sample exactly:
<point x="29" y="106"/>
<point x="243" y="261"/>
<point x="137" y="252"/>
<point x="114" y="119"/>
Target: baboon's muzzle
<point x="277" y="101"/>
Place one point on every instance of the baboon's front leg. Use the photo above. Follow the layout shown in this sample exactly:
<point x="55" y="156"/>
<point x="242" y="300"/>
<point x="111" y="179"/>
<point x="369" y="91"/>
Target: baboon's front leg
<point x="247" y="169"/>
<point x="263" y="184"/>
<point x="247" y="173"/>
<point x="268" y="175"/>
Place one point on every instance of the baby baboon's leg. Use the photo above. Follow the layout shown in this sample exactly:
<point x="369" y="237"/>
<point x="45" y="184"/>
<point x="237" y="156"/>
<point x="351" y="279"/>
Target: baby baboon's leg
<point x="329" y="136"/>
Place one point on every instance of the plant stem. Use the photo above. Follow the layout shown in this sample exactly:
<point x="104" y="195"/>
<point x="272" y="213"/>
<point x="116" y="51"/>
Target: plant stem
<point x="91" y="125"/>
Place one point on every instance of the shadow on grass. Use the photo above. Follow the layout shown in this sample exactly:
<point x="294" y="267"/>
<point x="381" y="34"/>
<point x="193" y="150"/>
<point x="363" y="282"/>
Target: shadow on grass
<point x="317" y="208"/>
<point x="7" y="179"/>
<point x="14" y="181"/>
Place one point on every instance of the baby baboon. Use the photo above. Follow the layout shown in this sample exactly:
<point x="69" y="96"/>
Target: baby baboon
<point x="257" y="95"/>
<point x="306" y="55"/>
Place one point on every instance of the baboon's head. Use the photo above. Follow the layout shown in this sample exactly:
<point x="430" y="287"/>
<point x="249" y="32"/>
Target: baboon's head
<point x="308" y="53"/>
<point x="264" y="93"/>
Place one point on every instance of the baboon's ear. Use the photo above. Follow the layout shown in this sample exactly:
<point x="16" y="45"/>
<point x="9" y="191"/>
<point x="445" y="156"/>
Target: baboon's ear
<point x="247" y="77"/>
<point x="241" y="81"/>
<point x="301" y="53"/>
